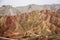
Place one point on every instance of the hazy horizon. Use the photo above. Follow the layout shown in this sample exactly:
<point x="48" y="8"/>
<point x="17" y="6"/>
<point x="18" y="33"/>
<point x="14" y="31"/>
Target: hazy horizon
<point x="27" y="2"/>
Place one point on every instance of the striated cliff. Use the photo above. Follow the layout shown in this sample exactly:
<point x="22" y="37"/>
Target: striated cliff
<point x="30" y="25"/>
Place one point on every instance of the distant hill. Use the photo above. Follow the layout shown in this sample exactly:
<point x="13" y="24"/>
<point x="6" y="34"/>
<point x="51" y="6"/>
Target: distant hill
<point x="39" y="7"/>
<point x="9" y="10"/>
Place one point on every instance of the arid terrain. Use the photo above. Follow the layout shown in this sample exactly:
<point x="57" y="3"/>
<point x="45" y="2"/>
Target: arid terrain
<point x="31" y="24"/>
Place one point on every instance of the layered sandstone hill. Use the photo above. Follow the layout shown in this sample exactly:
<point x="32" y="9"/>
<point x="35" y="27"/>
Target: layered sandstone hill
<point x="32" y="25"/>
<point x="43" y="23"/>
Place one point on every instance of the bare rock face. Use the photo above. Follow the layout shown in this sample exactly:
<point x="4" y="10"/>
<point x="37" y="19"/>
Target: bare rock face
<point x="43" y="23"/>
<point x="34" y="25"/>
